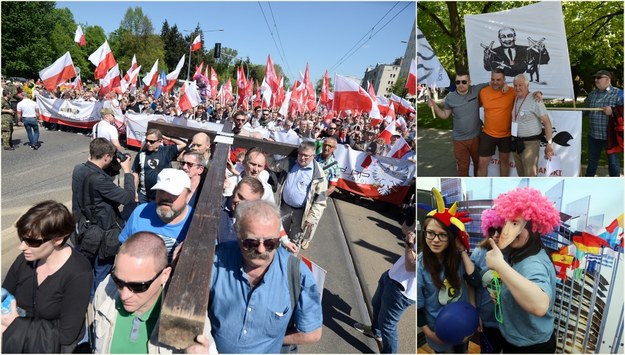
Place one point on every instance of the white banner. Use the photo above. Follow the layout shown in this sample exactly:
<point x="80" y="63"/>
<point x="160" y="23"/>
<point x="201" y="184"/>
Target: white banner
<point x="137" y="125"/>
<point x="73" y="113"/>
<point x="567" y="146"/>
<point x="529" y="39"/>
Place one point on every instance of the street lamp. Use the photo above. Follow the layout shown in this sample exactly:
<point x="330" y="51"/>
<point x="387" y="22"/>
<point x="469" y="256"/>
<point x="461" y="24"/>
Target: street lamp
<point x="189" y="65"/>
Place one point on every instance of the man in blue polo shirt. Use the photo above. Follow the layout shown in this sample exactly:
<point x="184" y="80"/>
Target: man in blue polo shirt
<point x="250" y="300"/>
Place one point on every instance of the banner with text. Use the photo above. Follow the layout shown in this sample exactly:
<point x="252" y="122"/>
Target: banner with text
<point x="529" y="39"/>
<point x="82" y="114"/>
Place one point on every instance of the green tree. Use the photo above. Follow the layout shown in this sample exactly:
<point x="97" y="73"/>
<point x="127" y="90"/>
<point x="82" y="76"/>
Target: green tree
<point x="594" y="31"/>
<point x="399" y="88"/>
<point x="175" y="44"/>
<point x="320" y="84"/>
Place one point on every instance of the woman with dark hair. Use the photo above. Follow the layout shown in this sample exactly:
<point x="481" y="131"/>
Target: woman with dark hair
<point x="50" y="280"/>
<point x="444" y="270"/>
<point x="528" y="277"/>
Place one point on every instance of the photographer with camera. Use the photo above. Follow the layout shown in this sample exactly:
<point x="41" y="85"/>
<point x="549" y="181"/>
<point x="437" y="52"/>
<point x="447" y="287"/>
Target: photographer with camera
<point x="95" y="206"/>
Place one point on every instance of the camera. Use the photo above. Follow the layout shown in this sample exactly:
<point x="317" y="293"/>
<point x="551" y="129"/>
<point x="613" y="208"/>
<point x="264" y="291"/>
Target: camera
<point x="120" y="156"/>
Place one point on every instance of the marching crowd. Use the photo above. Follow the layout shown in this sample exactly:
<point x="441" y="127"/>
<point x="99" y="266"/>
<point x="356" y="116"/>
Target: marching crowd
<point x="115" y="251"/>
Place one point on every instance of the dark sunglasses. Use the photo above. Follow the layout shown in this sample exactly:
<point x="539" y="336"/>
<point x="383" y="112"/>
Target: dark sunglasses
<point x="251" y="243"/>
<point x="134" y="287"/>
<point x="151" y="141"/>
<point x="33" y="242"/>
<point x="492" y="230"/>
<point x="188" y="163"/>
<point x="463" y="82"/>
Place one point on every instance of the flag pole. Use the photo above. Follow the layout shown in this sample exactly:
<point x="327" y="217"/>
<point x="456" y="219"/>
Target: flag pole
<point x="429" y="97"/>
<point x="189" y="66"/>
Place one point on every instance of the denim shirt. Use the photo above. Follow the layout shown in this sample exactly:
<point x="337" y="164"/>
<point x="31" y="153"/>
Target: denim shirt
<point x="485" y="304"/>
<point x="246" y="320"/>
<point x="428" y="298"/>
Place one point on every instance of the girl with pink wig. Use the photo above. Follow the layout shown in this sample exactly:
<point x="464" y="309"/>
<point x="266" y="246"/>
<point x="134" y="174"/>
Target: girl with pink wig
<point x="527" y="273"/>
<point x="491" y="340"/>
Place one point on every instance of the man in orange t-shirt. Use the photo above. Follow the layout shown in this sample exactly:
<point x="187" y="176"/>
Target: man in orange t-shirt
<point x="497" y="124"/>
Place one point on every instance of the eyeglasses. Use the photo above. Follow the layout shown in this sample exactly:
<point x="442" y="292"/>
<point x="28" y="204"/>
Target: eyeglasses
<point x="463" y="82"/>
<point x="239" y="120"/>
<point x="33" y="242"/>
<point x="188" y="164"/>
<point x="492" y="230"/>
<point x="430" y="235"/>
<point x="331" y="127"/>
<point x="252" y="243"/>
<point x="152" y="141"/>
<point x="304" y="155"/>
<point x="134" y="287"/>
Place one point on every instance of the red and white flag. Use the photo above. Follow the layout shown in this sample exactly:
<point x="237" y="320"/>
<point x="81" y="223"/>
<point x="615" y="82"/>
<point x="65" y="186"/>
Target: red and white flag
<point x="214" y="81"/>
<point x="173" y="76"/>
<point x="388" y="132"/>
<point x="411" y="81"/>
<point x="111" y="81"/>
<point x="284" y="108"/>
<point x="150" y="78"/>
<point x="324" y="99"/>
<point x="60" y="71"/>
<point x="77" y="84"/>
<point x="198" y="70"/>
<point x="399" y="149"/>
<point x="133" y="66"/>
<point x="190" y="97"/>
<point x="79" y="37"/>
<point x="197" y="44"/>
<point x="270" y="75"/>
<point x="225" y="93"/>
<point x="265" y="93"/>
<point x="371" y="90"/>
<point x="280" y="93"/>
<point x="402" y="106"/>
<point x="310" y="95"/>
<point x="242" y="88"/>
<point x="319" y="274"/>
<point x="349" y="96"/>
<point x="103" y="59"/>
<point x="132" y="78"/>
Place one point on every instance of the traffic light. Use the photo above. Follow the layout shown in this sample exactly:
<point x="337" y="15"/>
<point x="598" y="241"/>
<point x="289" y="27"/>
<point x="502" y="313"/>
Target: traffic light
<point x="217" y="52"/>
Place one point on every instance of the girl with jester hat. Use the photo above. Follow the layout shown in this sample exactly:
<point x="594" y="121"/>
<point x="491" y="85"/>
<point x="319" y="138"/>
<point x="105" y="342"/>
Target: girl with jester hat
<point x="491" y="340"/>
<point x="444" y="270"/>
<point x="527" y="274"/>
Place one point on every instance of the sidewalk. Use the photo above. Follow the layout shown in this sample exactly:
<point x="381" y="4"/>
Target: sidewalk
<point x="435" y="156"/>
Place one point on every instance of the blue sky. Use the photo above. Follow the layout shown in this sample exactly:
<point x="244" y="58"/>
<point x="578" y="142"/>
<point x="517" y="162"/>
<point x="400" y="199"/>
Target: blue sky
<point x="320" y="33"/>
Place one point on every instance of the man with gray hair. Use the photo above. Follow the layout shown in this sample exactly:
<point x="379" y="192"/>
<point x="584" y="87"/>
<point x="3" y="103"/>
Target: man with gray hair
<point x="303" y="193"/>
<point x="250" y="309"/>
<point x="528" y="119"/>
<point x="127" y="307"/>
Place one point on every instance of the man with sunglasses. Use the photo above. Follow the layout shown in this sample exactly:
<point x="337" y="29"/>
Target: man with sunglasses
<point x="127" y="304"/>
<point x="250" y="309"/>
<point x="605" y="96"/>
<point x="194" y="165"/>
<point x="238" y="121"/>
<point x="464" y="105"/>
<point x="169" y="215"/>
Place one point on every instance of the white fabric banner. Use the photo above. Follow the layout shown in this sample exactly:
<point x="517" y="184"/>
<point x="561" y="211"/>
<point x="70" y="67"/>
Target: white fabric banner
<point x="529" y="39"/>
<point x="137" y="125"/>
<point x="567" y="146"/>
<point x="81" y="112"/>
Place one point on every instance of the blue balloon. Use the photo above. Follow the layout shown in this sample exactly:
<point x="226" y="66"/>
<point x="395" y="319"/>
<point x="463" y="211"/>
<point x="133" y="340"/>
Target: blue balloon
<point x="456" y="322"/>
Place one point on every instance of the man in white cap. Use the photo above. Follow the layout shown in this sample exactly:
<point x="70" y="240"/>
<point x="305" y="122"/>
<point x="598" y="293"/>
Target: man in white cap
<point x="169" y="215"/>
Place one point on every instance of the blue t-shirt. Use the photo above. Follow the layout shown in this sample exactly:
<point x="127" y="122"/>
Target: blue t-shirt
<point x="519" y="327"/>
<point x="246" y="320"/>
<point x="145" y="219"/>
<point x="485" y="304"/>
<point x="432" y="300"/>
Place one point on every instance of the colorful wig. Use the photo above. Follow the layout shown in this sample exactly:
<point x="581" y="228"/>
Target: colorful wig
<point x="490" y="219"/>
<point x="530" y="204"/>
<point x="448" y="217"/>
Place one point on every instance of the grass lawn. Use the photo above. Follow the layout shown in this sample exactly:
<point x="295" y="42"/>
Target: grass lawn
<point x="425" y="119"/>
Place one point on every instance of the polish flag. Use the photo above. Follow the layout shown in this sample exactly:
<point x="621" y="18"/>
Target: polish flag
<point x="388" y="132"/>
<point x="310" y="95"/>
<point x="133" y="66"/>
<point x="173" y="76"/>
<point x="375" y="113"/>
<point x="318" y="274"/>
<point x="225" y="93"/>
<point x="284" y="108"/>
<point x="79" y="37"/>
<point x="77" y="84"/>
<point x="150" y="78"/>
<point x="242" y="88"/>
<point x="280" y="94"/>
<point x="111" y="81"/>
<point x="411" y="82"/>
<point x="60" y="71"/>
<point x="214" y="81"/>
<point x="371" y="90"/>
<point x="257" y="98"/>
<point x="198" y="70"/>
<point x="402" y="106"/>
<point x="189" y="97"/>
<point x="349" y="96"/>
<point x="197" y="44"/>
<point x="270" y="75"/>
<point x="324" y="99"/>
<point x="103" y="59"/>
<point x="265" y="93"/>
<point x="399" y="149"/>
<point x="132" y="79"/>
<point x="383" y="104"/>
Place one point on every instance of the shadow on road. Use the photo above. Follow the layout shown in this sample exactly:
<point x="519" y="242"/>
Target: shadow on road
<point x="336" y="315"/>
<point x="388" y="255"/>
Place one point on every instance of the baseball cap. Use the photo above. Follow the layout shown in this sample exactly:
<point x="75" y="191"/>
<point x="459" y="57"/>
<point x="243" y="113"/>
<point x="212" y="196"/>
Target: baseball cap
<point x="106" y="111"/>
<point x="603" y="73"/>
<point x="172" y="181"/>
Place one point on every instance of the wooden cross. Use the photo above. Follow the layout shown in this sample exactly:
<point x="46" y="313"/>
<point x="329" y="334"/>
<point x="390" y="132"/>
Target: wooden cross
<point x="184" y="308"/>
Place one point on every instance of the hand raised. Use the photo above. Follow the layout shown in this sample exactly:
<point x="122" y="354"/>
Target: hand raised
<point x="494" y="256"/>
